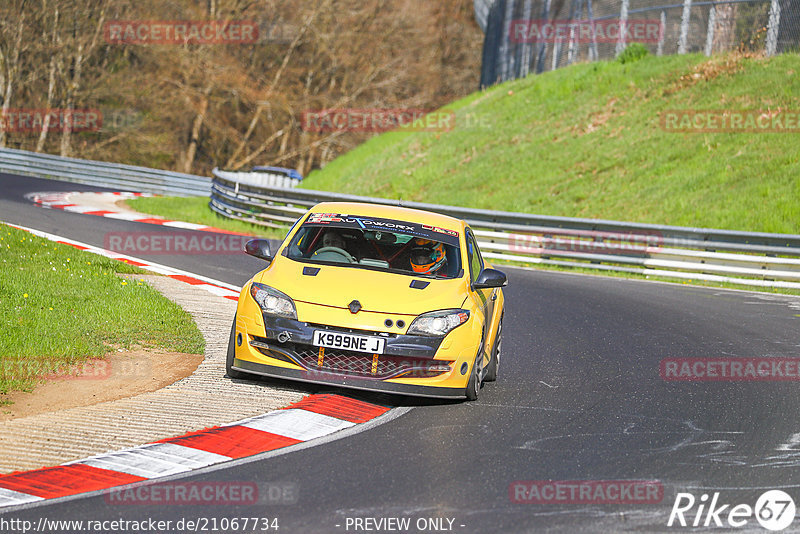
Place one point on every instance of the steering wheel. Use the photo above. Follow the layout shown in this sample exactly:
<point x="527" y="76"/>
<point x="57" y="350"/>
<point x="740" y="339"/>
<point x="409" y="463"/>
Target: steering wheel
<point x="337" y="251"/>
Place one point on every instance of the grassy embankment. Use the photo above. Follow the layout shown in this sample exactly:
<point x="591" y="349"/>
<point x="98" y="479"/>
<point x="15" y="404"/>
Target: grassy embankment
<point x="586" y="141"/>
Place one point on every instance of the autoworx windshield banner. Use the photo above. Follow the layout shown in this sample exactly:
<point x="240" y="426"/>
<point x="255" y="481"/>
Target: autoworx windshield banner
<point x="342" y="220"/>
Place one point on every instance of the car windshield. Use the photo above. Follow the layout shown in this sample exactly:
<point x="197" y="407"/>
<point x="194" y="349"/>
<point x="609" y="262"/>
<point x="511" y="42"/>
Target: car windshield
<point x="378" y="244"/>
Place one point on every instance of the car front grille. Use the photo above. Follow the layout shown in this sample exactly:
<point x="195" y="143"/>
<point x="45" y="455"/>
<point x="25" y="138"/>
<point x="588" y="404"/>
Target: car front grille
<point x="366" y="365"/>
<point x="344" y="362"/>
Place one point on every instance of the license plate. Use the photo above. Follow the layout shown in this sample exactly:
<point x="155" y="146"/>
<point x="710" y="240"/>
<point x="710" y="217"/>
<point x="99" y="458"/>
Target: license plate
<point x="338" y="340"/>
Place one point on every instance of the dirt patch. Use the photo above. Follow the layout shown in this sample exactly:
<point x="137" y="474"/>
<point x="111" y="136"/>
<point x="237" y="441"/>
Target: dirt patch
<point x="119" y="375"/>
<point x="727" y="65"/>
<point x="598" y="119"/>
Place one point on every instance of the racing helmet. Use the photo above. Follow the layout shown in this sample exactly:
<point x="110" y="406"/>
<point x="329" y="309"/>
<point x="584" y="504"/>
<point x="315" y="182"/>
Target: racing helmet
<point x="427" y="256"/>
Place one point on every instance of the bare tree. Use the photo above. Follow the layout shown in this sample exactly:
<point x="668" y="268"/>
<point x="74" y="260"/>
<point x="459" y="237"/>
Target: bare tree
<point x="200" y="106"/>
<point x="197" y="124"/>
<point x="724" y="28"/>
<point x="51" y="81"/>
<point x="10" y="58"/>
<point x="80" y="47"/>
<point x="263" y="104"/>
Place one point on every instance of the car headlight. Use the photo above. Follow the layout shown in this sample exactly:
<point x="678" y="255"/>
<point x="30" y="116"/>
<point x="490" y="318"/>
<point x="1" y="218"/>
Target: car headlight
<point x="438" y="323"/>
<point x="272" y="301"/>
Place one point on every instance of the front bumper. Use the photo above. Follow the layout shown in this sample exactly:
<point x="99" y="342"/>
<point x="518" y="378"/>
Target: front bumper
<point x="352" y="382"/>
<point x="411" y="365"/>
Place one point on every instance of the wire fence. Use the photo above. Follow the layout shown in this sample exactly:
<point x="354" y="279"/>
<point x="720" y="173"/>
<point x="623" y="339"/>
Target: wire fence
<point x="534" y="36"/>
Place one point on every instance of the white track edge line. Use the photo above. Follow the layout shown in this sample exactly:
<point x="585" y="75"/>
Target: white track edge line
<point x="114" y="255"/>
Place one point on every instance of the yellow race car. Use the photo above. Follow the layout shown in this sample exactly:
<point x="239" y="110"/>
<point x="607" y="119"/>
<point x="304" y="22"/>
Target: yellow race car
<point x="372" y="297"/>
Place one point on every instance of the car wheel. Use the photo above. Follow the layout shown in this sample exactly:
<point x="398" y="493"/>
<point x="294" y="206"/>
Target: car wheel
<point x="474" y="384"/>
<point x="494" y="363"/>
<point x="232" y="373"/>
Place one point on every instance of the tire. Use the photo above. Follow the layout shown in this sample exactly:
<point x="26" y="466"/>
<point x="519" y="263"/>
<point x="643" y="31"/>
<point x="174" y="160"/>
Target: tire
<point x="474" y="384"/>
<point x="229" y="371"/>
<point x="494" y="362"/>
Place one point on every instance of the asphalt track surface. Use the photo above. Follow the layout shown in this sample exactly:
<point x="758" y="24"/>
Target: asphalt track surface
<point x="579" y="398"/>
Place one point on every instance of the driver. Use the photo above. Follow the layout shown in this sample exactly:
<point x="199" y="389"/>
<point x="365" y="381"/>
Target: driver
<point x="428" y="257"/>
<point x="332" y="238"/>
<point x="333" y="241"/>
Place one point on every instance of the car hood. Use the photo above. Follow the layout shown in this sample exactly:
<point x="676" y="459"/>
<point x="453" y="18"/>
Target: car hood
<point x="376" y="291"/>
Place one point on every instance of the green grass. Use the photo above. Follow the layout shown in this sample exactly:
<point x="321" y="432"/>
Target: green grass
<point x="60" y="306"/>
<point x="586" y="141"/>
<point x="196" y="210"/>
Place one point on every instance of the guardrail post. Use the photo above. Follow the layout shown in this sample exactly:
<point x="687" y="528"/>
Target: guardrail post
<point x="573" y="46"/>
<point x="556" y="53"/>
<point x="541" y="47"/>
<point x="575" y="15"/>
<point x="662" y="32"/>
<point x="527" y="48"/>
<point x="684" y="35"/>
<point x="623" y="22"/>
<point x="712" y="22"/>
<point x="772" y="27"/>
<point x="593" y="48"/>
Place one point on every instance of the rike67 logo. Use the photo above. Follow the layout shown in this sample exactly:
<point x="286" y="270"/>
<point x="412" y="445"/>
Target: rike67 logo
<point x="774" y="510"/>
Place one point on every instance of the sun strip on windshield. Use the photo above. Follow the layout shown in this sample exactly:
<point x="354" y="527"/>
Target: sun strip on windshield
<point x="377" y="224"/>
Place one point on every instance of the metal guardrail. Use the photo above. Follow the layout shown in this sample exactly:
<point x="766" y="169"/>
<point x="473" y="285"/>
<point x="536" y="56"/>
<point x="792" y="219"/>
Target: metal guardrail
<point x="747" y="258"/>
<point x="263" y="177"/>
<point x="103" y="174"/>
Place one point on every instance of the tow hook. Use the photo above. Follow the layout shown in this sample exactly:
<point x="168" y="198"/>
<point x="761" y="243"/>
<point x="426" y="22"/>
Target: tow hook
<point x="284" y="336"/>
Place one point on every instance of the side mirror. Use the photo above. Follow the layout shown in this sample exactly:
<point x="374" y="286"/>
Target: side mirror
<point x="258" y="248"/>
<point x="490" y="278"/>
